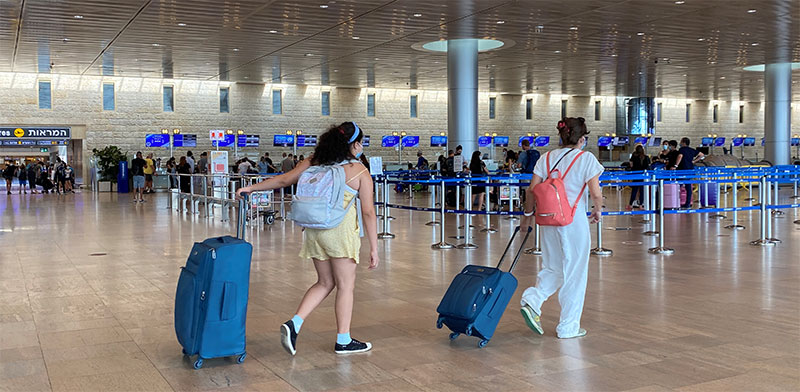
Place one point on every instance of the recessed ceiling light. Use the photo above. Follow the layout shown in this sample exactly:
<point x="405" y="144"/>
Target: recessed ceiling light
<point x="701" y="39"/>
<point x="235" y="49"/>
<point x="722" y="78"/>
<point x="684" y="74"/>
<point x="557" y="51"/>
<point x="323" y="6"/>
<point x="377" y="58"/>
<point x="309" y="54"/>
<point x="273" y="31"/>
<point x="78" y="16"/>
<point x="540" y="26"/>
<point x="573" y="27"/>
<point x="679" y="2"/>
<point x="580" y="81"/>
<point x="182" y="24"/>
<point x="640" y="33"/>
<point x="356" y="37"/>
<point x="754" y="44"/>
<point x="501" y="22"/>
<point x="65" y="39"/>
<point x="156" y="45"/>
<point x="417" y="15"/>
<point x="247" y="77"/>
<point x="614" y="55"/>
<point x="751" y="11"/>
<point x="335" y="70"/>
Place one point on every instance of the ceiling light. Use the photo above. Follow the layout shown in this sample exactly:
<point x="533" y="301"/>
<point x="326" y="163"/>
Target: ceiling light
<point x="722" y="78"/>
<point x="501" y="22"/>
<point x="679" y="2"/>
<point x="751" y="11"/>
<point x="182" y="24"/>
<point x="701" y="39"/>
<point x="540" y="26"/>
<point x="335" y="70"/>
<point x="580" y="81"/>
<point x="323" y="6"/>
<point x="235" y="49"/>
<point x="356" y="37"/>
<point x="65" y="39"/>
<point x="754" y="44"/>
<point x="640" y="33"/>
<point x="557" y="51"/>
<point x="614" y="55"/>
<point x="156" y="45"/>
<point x="573" y="27"/>
<point x="78" y="16"/>
<point x="309" y="54"/>
<point x="273" y="31"/>
<point x="417" y="15"/>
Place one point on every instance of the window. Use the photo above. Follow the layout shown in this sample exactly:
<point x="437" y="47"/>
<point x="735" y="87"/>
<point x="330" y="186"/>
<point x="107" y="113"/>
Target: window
<point x="413" y="102"/>
<point x="658" y="112"/>
<point x="529" y="109"/>
<point x="108" y="96"/>
<point x="277" y="101"/>
<point x="596" y="110"/>
<point x="715" y="114"/>
<point x="688" y="112"/>
<point x="169" y="99"/>
<point x="492" y="107"/>
<point x="563" y="108"/>
<point x="224" y="103"/>
<point x="44" y="95"/>
<point x="326" y="103"/>
<point x="741" y="114"/>
<point x="370" y="105"/>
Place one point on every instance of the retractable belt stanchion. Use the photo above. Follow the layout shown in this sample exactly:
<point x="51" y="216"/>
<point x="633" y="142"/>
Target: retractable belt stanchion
<point x="661" y="249"/>
<point x="599" y="250"/>
<point x="205" y="194"/>
<point x="385" y="234"/>
<point x="433" y="221"/>
<point x="762" y="240"/>
<point x="768" y="189"/>
<point x="442" y="244"/>
<point x="719" y="196"/>
<point x="511" y="201"/>
<point x="192" y="208"/>
<point x="467" y="218"/>
<point x="794" y="195"/>
<point x="646" y="191"/>
<point x="735" y="225"/>
<point x="225" y="193"/>
<point x="458" y="235"/>
<point x="775" y="198"/>
<point x="750" y="197"/>
<point x="652" y="197"/>
<point x="537" y="247"/>
<point x="488" y="228"/>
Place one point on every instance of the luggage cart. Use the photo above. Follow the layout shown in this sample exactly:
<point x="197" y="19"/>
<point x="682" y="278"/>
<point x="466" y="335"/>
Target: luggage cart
<point x="262" y="205"/>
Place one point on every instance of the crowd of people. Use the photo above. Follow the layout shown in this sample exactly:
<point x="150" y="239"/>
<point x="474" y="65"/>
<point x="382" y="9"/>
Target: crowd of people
<point x="39" y="176"/>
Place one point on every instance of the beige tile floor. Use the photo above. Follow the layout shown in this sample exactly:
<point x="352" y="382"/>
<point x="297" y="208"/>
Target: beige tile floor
<point x="718" y="315"/>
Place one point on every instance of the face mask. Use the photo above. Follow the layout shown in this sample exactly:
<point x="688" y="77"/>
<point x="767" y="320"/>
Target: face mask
<point x="358" y="155"/>
<point x="583" y="145"/>
<point x="665" y="147"/>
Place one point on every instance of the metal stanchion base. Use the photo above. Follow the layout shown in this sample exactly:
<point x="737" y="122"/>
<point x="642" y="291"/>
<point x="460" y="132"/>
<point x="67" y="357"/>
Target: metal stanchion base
<point x="778" y="213"/>
<point x="390" y="217"/>
<point x="488" y="230"/>
<point x="794" y="197"/>
<point x="456" y="237"/>
<point x="762" y="243"/>
<point x="533" y="251"/>
<point x="432" y="223"/>
<point x="601" y="252"/>
<point x="384" y="236"/>
<point x="442" y="245"/>
<point x="797" y="222"/>
<point x="775" y="240"/>
<point x="660" y="250"/>
<point x="717" y="216"/>
<point x="749" y="199"/>
<point x="511" y="218"/>
<point x="651" y="233"/>
<point x="644" y="221"/>
<point x="734" y="227"/>
<point x="462" y="227"/>
<point x="467" y="245"/>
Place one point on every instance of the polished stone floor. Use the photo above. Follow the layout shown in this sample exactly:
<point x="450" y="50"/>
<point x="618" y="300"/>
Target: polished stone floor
<point x="87" y="284"/>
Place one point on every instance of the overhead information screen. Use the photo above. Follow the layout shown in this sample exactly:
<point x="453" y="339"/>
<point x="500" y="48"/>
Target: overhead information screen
<point x="620" y="141"/>
<point x="282" y="140"/>
<point x="501" y="141"/>
<point x="640" y="140"/>
<point x="719" y="142"/>
<point x="438" y="141"/>
<point x="184" y="140"/>
<point x="390" y="141"/>
<point x="749" y="141"/>
<point x="20" y="142"/>
<point x="654" y="141"/>
<point x="707" y="141"/>
<point x="738" y="141"/>
<point x="528" y="138"/>
<point x="763" y="142"/>
<point x="248" y="141"/>
<point x="542" y="141"/>
<point x="484" y="141"/>
<point x="227" y="142"/>
<point x="365" y="141"/>
<point x="796" y="141"/>
<point x="306" y="141"/>
<point x="156" y="140"/>
<point x="410" y="141"/>
<point x="604" y="141"/>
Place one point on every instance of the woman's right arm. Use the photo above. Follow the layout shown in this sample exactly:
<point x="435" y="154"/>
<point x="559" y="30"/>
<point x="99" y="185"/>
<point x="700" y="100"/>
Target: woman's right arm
<point x="277" y="182"/>
<point x="597" y="199"/>
<point x="530" y="203"/>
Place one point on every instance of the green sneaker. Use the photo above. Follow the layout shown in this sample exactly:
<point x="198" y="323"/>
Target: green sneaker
<point x="581" y="333"/>
<point x="532" y="319"/>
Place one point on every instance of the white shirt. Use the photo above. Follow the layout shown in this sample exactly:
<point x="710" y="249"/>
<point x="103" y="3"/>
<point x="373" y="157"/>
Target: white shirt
<point x="244" y="167"/>
<point x="585" y="168"/>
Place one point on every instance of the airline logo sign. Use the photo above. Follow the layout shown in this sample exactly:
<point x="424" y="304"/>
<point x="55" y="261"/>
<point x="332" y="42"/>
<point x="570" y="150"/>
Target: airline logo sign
<point x="216" y="135"/>
<point x="36" y="132"/>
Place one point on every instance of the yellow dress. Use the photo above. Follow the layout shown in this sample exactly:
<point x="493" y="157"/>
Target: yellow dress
<point x="340" y="242"/>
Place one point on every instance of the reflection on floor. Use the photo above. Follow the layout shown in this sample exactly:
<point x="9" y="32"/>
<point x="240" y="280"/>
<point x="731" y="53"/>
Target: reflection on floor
<point x="87" y="285"/>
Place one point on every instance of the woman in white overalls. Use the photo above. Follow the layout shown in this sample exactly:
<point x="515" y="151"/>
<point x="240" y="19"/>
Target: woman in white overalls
<point x="565" y="249"/>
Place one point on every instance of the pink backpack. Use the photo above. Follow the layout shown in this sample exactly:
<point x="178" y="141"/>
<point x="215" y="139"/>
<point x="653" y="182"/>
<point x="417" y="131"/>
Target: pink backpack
<point x="552" y="205"/>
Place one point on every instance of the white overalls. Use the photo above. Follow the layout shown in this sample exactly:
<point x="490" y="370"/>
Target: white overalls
<point x="565" y="249"/>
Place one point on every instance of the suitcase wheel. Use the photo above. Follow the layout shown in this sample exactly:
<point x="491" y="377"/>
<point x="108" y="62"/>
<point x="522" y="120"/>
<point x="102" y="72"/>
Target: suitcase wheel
<point x="183" y="350"/>
<point x="440" y="323"/>
<point x="454" y="335"/>
<point x="198" y="363"/>
<point x="469" y="330"/>
<point x="482" y="343"/>
<point x="241" y="358"/>
<point x="270" y="219"/>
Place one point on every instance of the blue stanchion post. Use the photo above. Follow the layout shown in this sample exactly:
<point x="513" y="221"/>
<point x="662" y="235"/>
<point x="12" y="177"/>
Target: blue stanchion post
<point x="769" y="221"/>
<point x="661" y="249"/>
<point x="433" y="221"/>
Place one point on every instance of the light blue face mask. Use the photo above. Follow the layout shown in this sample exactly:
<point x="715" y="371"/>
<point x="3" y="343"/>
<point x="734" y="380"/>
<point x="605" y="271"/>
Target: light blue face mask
<point x="585" y="142"/>
<point x="359" y="154"/>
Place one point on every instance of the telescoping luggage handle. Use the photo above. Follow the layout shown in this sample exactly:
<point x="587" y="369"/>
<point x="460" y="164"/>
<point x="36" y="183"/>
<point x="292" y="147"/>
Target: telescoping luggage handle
<point x="241" y="215"/>
<point x="519" y="251"/>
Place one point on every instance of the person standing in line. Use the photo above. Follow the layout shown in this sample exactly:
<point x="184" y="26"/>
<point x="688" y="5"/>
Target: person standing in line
<point x="422" y="163"/>
<point x="149" y="170"/>
<point x="270" y="165"/>
<point x="286" y="166"/>
<point x="32" y="177"/>
<point x="478" y="169"/>
<point x="171" y="170"/>
<point x="8" y="175"/>
<point x="639" y="161"/>
<point x="687" y="157"/>
<point x="190" y="161"/>
<point x="184" y="181"/>
<point x="22" y="177"/>
<point x="263" y="166"/>
<point x="565" y="249"/>
<point x="137" y="171"/>
<point x="335" y="251"/>
<point x="202" y="164"/>
<point x="60" y="180"/>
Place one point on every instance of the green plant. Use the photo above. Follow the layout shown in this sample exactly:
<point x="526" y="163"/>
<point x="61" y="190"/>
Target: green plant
<point x="108" y="160"/>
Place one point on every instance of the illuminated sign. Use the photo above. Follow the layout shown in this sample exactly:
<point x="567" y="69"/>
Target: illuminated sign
<point x="156" y="140"/>
<point x="410" y="141"/>
<point x="438" y="141"/>
<point x="36" y="132"/>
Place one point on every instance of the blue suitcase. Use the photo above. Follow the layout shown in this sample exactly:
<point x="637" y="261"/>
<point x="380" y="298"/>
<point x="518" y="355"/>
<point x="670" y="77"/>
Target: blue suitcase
<point x="478" y="296"/>
<point x="211" y="298"/>
<point x="712" y="194"/>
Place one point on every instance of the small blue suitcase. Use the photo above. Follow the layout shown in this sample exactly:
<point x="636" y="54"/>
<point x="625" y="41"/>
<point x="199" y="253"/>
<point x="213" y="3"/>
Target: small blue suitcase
<point x="712" y="194"/>
<point x="478" y="296"/>
<point x="211" y="297"/>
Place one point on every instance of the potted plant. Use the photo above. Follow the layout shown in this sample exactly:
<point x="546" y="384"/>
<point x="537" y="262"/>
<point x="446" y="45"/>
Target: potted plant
<point x="108" y="160"/>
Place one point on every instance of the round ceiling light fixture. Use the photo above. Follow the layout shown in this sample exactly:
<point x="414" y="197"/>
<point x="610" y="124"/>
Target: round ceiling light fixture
<point x="484" y="45"/>
<point x="762" y="67"/>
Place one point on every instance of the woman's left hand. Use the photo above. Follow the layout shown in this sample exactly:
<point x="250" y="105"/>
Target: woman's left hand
<point x="595" y="216"/>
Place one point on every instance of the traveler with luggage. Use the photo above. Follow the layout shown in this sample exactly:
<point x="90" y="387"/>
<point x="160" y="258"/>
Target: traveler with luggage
<point x="333" y="189"/>
<point x="527" y="158"/>
<point x="137" y="171"/>
<point x="478" y="169"/>
<point x="555" y="199"/>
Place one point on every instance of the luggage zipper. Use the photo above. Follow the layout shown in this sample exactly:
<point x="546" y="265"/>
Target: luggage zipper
<point x="203" y="295"/>
<point x="213" y="254"/>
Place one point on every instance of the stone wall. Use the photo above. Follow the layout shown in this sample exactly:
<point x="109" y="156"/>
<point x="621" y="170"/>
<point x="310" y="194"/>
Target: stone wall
<point x="77" y="101"/>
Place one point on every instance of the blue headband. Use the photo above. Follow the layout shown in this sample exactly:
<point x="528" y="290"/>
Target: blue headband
<point x="355" y="134"/>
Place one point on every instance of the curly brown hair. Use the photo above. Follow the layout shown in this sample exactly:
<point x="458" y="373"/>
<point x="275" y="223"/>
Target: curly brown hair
<point x="571" y="129"/>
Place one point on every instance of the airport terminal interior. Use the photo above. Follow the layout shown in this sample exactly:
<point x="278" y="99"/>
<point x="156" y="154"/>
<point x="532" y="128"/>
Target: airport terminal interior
<point x="694" y="285"/>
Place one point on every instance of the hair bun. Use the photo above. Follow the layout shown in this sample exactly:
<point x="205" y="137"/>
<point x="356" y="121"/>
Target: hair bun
<point x="582" y="120"/>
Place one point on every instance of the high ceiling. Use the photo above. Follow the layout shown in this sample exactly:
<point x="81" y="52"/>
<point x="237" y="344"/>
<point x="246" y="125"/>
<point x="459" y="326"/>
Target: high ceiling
<point x="663" y="48"/>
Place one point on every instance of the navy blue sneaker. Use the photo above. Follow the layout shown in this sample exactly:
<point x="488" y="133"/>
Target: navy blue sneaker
<point x="289" y="337"/>
<point x="353" y="347"/>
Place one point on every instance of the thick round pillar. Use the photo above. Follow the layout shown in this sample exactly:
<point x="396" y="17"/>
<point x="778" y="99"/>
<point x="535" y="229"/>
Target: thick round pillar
<point x="462" y="94"/>
<point x="777" y="110"/>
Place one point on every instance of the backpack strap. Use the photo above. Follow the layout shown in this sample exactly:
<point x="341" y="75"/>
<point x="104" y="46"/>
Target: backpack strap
<point x="573" y="162"/>
<point x="549" y="171"/>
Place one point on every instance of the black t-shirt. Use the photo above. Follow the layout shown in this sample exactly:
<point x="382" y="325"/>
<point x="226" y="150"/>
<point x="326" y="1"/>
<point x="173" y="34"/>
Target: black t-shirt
<point x="640" y="162"/>
<point x="137" y="167"/>
<point x="688" y="158"/>
<point x="672" y="158"/>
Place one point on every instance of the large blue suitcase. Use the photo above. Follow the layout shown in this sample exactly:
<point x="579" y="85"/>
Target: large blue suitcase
<point x="712" y="190"/>
<point x="478" y="296"/>
<point x="211" y="298"/>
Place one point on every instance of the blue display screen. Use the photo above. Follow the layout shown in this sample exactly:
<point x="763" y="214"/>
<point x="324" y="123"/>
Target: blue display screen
<point x="484" y="141"/>
<point x="542" y="141"/>
<point x="501" y="141"/>
<point x="796" y="141"/>
<point x="227" y="142"/>
<point x="707" y="141"/>
<point x="410" y="141"/>
<point x="749" y="141"/>
<point x="390" y="141"/>
<point x="438" y="141"/>
<point x="604" y="141"/>
<point x="738" y="141"/>
<point x="763" y="142"/>
<point x="719" y="142"/>
<point x="529" y="138"/>
<point x="621" y="141"/>
<point x="156" y="140"/>
<point x="640" y="140"/>
<point x="248" y="141"/>
<point x="365" y="141"/>
<point x="306" y="141"/>
<point x="282" y="140"/>
<point x="184" y="140"/>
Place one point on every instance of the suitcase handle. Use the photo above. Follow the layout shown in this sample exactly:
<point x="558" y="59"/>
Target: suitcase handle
<point x="521" y="247"/>
<point x="503" y="257"/>
<point x="241" y="213"/>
